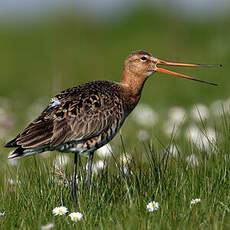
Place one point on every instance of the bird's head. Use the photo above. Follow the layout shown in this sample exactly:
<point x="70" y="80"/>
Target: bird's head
<point x="141" y="64"/>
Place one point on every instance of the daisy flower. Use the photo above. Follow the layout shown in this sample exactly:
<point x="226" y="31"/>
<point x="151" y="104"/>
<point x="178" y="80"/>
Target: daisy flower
<point x="60" y="211"/>
<point x="75" y="216"/>
<point x="195" y="201"/>
<point x="153" y="206"/>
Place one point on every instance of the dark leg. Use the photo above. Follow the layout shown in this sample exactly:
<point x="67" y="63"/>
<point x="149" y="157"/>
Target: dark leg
<point x="74" y="182"/>
<point x="89" y="170"/>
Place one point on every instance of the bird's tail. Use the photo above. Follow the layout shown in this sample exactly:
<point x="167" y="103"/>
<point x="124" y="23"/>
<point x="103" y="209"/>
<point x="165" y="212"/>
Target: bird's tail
<point x="22" y="152"/>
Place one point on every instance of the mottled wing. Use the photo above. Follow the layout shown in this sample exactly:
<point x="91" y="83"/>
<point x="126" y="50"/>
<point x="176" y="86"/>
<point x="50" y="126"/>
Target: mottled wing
<point x="75" y="114"/>
<point x="82" y="119"/>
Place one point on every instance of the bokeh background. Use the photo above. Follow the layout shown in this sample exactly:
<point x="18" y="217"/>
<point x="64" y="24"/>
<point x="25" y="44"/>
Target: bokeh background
<point x="48" y="46"/>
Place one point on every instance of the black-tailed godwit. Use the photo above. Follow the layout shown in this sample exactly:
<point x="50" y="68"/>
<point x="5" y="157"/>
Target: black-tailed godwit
<point x="86" y="117"/>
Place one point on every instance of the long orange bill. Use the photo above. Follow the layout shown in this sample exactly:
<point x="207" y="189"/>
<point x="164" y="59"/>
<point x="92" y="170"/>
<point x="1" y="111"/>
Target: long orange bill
<point x="161" y="62"/>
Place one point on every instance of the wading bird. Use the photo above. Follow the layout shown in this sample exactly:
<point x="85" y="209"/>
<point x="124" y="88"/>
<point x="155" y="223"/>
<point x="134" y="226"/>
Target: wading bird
<point x="86" y="117"/>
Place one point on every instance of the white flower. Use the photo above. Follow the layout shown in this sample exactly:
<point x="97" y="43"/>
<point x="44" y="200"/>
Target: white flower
<point x="177" y="115"/>
<point x="11" y="181"/>
<point x="200" y="112"/>
<point x="142" y="135"/>
<point x="192" y="159"/>
<point x="144" y="115"/>
<point x="227" y="106"/>
<point x="47" y="226"/>
<point x="171" y="129"/>
<point x="125" y="170"/>
<point x="60" y="211"/>
<point x="203" y="140"/>
<point x="13" y="162"/>
<point x="125" y="159"/>
<point x="61" y="160"/>
<point x="173" y="150"/>
<point x="2" y="213"/>
<point x="217" y="108"/>
<point x="210" y="135"/>
<point x="75" y="216"/>
<point x="104" y="151"/>
<point x="98" y="165"/>
<point x="152" y="206"/>
<point x="195" y="201"/>
<point x="193" y="133"/>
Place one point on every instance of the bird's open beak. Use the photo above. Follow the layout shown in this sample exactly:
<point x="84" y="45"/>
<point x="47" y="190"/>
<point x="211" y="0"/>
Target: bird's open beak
<point x="161" y="62"/>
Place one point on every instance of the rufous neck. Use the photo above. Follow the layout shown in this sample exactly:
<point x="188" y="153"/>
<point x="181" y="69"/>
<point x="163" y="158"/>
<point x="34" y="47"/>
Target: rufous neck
<point x="133" y="81"/>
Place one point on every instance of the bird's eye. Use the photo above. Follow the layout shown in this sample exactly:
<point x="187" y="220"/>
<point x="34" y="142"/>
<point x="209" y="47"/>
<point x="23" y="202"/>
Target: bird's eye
<point x="143" y="58"/>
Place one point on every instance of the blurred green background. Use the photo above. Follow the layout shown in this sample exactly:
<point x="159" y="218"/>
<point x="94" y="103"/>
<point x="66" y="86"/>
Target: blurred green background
<point x="48" y="46"/>
<point x="61" y="48"/>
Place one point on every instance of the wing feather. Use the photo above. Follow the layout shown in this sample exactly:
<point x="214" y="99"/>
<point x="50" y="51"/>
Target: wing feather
<point x="75" y="115"/>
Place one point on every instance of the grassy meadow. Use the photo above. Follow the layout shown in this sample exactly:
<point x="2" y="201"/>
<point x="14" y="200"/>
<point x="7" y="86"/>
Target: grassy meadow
<point x="172" y="149"/>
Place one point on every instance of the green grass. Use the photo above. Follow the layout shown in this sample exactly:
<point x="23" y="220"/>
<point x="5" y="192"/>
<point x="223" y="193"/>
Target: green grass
<point x="40" y="59"/>
<point x="117" y="200"/>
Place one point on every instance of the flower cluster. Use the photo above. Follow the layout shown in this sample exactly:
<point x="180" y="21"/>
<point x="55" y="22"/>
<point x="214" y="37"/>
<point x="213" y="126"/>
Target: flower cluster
<point x="185" y="124"/>
<point x="59" y="211"/>
<point x="154" y="206"/>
